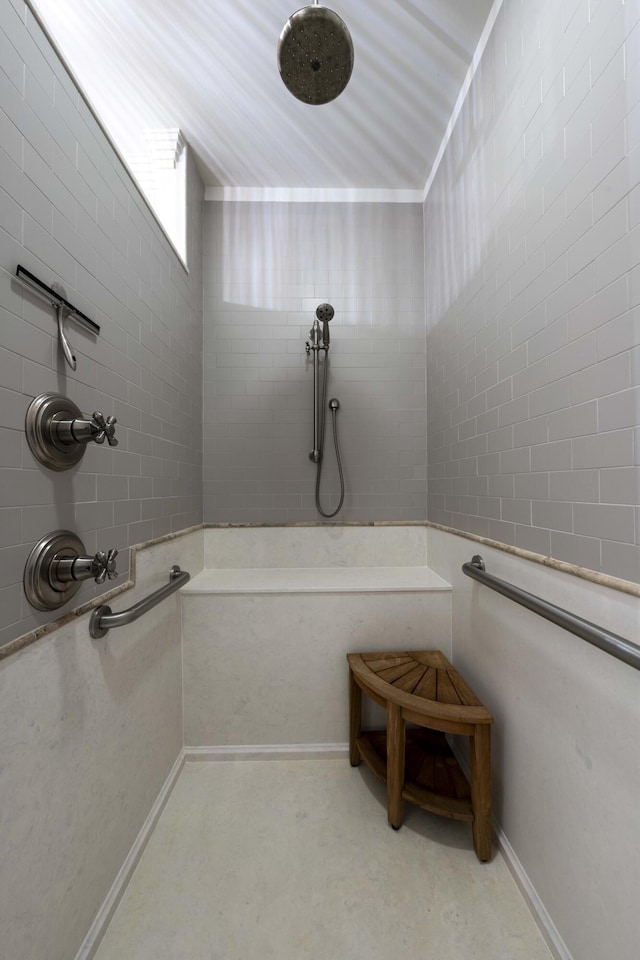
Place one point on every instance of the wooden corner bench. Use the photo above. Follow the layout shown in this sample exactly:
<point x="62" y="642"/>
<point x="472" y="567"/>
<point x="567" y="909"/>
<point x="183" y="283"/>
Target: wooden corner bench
<point x="421" y="687"/>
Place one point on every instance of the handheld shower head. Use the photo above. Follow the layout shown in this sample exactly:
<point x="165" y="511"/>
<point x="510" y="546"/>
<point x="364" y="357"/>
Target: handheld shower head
<point x="324" y="313"/>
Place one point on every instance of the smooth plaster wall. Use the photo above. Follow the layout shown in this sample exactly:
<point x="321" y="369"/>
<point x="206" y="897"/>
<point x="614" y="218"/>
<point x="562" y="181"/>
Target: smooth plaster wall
<point x="267" y="267"/>
<point x="70" y="212"/>
<point x="532" y="233"/>
<point x="566" y="778"/>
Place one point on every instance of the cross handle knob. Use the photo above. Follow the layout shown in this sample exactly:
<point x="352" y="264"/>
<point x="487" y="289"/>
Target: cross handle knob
<point x="103" y="566"/>
<point x="106" y="429"/>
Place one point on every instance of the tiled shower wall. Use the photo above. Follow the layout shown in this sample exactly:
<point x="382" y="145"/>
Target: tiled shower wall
<point x="533" y="290"/>
<point x="266" y="268"/>
<point x="70" y="212"/>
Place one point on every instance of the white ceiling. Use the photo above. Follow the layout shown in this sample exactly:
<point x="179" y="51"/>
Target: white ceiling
<point x="209" y="67"/>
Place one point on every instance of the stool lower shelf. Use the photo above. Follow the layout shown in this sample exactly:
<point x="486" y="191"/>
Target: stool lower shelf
<point x="434" y="779"/>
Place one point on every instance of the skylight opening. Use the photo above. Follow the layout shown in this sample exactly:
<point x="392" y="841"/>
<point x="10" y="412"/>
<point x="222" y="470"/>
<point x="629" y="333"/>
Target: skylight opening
<point x="160" y="170"/>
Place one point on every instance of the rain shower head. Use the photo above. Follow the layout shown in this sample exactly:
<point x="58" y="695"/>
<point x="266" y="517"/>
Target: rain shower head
<point x="315" y="54"/>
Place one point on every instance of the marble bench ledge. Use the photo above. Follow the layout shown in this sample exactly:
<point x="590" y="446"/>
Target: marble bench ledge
<point x="316" y="580"/>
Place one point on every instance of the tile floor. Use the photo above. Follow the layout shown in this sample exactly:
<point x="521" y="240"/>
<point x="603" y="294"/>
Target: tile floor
<point x="253" y="860"/>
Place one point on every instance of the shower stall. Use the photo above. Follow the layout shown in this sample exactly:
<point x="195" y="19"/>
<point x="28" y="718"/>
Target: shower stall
<point x="505" y="298"/>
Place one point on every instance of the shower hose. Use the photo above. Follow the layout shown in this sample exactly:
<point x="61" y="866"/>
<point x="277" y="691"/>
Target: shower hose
<point x="323" y="417"/>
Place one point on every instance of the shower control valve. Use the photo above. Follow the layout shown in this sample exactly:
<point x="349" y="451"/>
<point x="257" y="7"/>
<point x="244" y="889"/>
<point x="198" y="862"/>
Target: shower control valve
<point x="58" y="565"/>
<point x="100" y="567"/>
<point x="58" y="432"/>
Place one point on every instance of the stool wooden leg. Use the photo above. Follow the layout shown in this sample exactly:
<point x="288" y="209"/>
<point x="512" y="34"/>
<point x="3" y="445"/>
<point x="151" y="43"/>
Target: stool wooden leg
<point x="355" y="709"/>
<point x="395" y="764"/>
<point x="481" y="790"/>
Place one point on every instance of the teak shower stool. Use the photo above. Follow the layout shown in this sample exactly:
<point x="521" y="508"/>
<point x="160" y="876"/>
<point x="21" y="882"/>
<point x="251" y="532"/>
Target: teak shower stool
<point x="422" y="687"/>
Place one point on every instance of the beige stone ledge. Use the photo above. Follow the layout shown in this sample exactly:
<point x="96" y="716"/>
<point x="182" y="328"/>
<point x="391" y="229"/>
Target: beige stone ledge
<point x="319" y="523"/>
<point x="28" y="638"/>
<point x="594" y="576"/>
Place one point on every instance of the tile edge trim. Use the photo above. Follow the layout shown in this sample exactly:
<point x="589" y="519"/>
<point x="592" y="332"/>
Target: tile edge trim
<point x="584" y="573"/>
<point x="539" y="912"/>
<point x="267" y="751"/>
<point x="542" y="919"/>
<point x="255" y="524"/>
<point x="109" y="906"/>
<point x="27" y="639"/>
<point x="563" y="566"/>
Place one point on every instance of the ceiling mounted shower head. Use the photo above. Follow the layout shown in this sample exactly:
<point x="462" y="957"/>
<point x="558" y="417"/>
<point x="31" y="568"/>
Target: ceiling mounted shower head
<point x="315" y="54"/>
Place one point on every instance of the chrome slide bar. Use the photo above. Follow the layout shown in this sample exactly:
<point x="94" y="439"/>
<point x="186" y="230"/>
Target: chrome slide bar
<point x="618" y="647"/>
<point x="102" y="619"/>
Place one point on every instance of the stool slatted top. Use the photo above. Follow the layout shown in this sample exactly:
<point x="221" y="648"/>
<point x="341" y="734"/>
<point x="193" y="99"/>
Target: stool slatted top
<point x="422" y="682"/>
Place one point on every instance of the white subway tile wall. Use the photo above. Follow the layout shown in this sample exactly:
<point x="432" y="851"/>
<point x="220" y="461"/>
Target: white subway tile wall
<point x="532" y="290"/>
<point x="70" y="213"/>
<point x="267" y="266"/>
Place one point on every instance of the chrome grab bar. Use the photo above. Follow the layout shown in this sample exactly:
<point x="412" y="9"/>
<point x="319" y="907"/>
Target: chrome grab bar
<point x="618" y="647"/>
<point x="102" y="619"/>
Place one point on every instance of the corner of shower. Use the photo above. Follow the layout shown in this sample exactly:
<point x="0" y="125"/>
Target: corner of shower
<point x="319" y="339"/>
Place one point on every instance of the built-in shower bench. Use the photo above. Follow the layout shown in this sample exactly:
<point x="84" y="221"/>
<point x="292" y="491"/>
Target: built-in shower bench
<point x="268" y="622"/>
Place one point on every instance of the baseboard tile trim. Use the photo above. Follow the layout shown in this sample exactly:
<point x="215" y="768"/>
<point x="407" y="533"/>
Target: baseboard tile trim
<point x="105" y="914"/>
<point x="547" y="927"/>
<point x="269" y="751"/>
<point x="543" y="921"/>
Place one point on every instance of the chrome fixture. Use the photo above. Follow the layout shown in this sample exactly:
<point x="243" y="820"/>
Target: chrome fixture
<point x="58" y="432"/>
<point x="619" y="647"/>
<point x="324" y="313"/>
<point x="56" y="567"/>
<point x="57" y="297"/>
<point x="102" y="619"/>
<point x="315" y="54"/>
